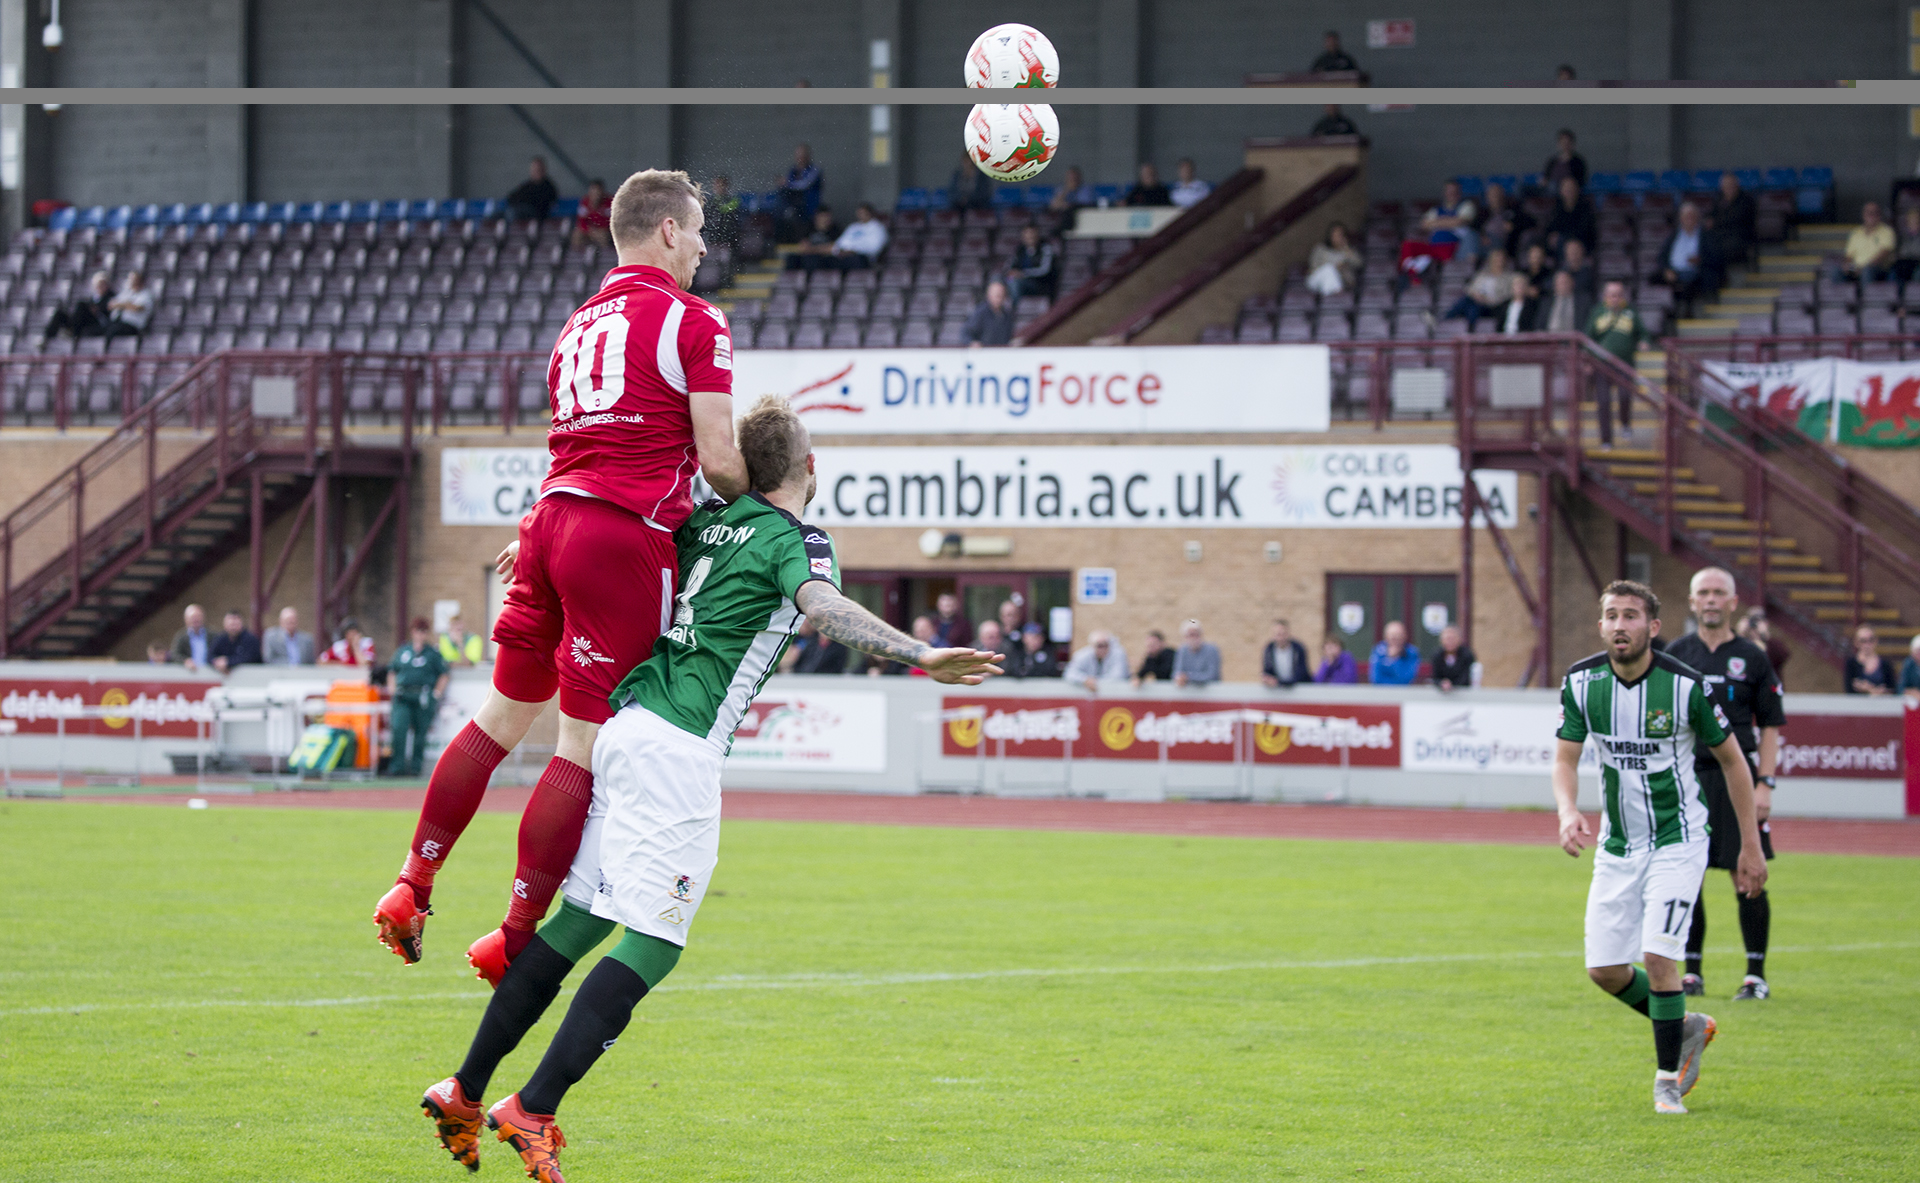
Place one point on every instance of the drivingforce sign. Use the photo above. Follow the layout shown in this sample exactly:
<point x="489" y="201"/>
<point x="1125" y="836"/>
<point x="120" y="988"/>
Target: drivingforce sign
<point x="1181" y="388"/>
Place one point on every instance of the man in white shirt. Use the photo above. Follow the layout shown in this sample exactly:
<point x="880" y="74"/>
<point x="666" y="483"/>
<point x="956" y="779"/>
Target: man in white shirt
<point x="1189" y="190"/>
<point x="1103" y="660"/>
<point x="860" y="244"/>
<point x="1688" y="260"/>
<point x="132" y="308"/>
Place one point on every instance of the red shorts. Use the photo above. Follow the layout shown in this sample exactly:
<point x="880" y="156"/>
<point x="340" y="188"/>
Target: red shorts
<point x="591" y="592"/>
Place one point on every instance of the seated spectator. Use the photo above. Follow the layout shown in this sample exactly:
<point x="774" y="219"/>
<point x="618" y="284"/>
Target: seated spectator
<point x="1284" y="661"/>
<point x="235" y="645"/>
<point x="989" y="637"/>
<point x="1907" y="257"/>
<point x="592" y="224"/>
<point x="1453" y="662"/>
<point x="132" y="308"/>
<point x="1488" y="290"/>
<point x="1197" y="661"/>
<point x="1565" y="310"/>
<point x="533" y="198"/>
<point x="1148" y="190"/>
<point x="1336" y="664"/>
<point x="1069" y="199"/>
<point x="799" y="197"/>
<point x="1394" y="662"/>
<point x="1035" y="270"/>
<point x="1573" y="219"/>
<point x="1564" y="162"/>
<point x="156" y="652"/>
<point x="192" y="647"/>
<point x="1034" y="659"/>
<point x="1101" y="660"/>
<point x="860" y="244"/>
<point x="88" y="316"/>
<point x="968" y="187"/>
<point x="1689" y="260"/>
<point x="1451" y="222"/>
<point x="724" y="214"/>
<point x="458" y="647"/>
<point x="1870" y="248"/>
<point x="1537" y="267"/>
<point x="1910" y="674"/>
<point x="1157" y="665"/>
<point x="1502" y="225"/>
<point x="1867" y="672"/>
<point x="816" y="249"/>
<point x="1522" y="307"/>
<point x="353" y="647"/>
<point x="813" y="653"/>
<point x="1332" y="59"/>
<point x="1578" y="262"/>
<point x="1188" y="189"/>
<point x="992" y="319"/>
<point x="1734" y="220"/>
<point x="285" y="644"/>
<point x="1333" y="122"/>
<point x="1333" y="265"/>
<point x="951" y="628"/>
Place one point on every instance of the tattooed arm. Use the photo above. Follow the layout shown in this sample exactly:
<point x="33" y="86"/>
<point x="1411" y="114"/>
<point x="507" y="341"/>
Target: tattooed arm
<point x="853" y="626"/>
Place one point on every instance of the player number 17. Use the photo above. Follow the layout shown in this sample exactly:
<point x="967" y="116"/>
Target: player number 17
<point x="1676" y="917"/>
<point x="581" y="382"/>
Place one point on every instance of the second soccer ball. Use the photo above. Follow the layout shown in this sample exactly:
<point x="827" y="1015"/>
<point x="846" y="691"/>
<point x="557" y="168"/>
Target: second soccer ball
<point x="1012" y="142"/>
<point x="1012" y="55"/>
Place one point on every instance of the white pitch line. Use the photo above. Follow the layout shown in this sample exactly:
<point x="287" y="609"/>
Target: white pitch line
<point x="855" y="980"/>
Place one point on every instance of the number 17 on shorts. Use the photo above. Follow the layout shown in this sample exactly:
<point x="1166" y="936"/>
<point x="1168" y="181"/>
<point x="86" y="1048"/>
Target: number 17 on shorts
<point x="1643" y="903"/>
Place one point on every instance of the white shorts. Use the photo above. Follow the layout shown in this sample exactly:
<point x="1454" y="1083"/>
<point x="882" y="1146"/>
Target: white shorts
<point x="652" y="836"/>
<point x="1643" y="903"/>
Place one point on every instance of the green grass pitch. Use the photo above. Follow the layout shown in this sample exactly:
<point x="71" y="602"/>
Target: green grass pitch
<point x="198" y="996"/>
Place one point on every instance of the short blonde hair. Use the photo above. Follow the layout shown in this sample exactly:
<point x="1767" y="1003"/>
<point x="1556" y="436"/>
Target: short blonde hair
<point x="648" y="198"/>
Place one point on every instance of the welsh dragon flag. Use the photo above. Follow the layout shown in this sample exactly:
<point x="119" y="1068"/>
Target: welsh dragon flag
<point x="1878" y="403"/>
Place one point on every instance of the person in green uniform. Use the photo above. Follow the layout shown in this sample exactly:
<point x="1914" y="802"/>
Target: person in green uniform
<point x="416" y="679"/>
<point x="1619" y="330"/>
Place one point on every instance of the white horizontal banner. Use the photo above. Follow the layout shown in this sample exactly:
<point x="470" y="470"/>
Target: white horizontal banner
<point x="489" y="486"/>
<point x="826" y="731"/>
<point x="1182" y="388"/>
<point x="1458" y="736"/>
<point x="1147" y="485"/>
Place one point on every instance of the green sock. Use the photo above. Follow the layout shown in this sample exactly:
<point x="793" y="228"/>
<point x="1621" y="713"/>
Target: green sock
<point x="1666" y="1006"/>
<point x="648" y="956"/>
<point x="574" y="932"/>
<point x="1635" y="995"/>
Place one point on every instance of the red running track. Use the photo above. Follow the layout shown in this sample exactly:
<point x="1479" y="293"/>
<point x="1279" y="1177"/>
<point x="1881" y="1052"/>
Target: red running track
<point x="1340" y="822"/>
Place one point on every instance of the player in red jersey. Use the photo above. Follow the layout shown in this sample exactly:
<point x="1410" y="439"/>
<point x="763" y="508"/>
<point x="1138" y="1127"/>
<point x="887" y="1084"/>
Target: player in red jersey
<point x="641" y="384"/>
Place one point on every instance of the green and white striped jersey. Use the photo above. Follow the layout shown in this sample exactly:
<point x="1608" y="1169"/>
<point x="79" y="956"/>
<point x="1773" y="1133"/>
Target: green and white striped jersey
<point x="740" y="567"/>
<point x="1644" y="733"/>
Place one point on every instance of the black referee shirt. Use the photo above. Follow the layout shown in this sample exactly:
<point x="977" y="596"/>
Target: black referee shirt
<point x="1741" y="679"/>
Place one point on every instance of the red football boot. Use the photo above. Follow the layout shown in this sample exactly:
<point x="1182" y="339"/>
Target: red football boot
<point x="400" y="923"/>
<point x="457" y="1119"/>
<point x="537" y="1139"/>
<point x="488" y="957"/>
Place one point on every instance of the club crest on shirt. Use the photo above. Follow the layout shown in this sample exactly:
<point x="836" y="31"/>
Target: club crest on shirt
<point x="1736" y="667"/>
<point x="821" y="567"/>
<point x="683" y="888"/>
<point x="1659" y="722"/>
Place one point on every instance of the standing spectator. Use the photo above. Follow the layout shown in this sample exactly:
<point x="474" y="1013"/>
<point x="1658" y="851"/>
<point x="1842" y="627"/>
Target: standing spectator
<point x="1535" y="265"/>
<point x="1333" y="122"/>
<point x="1035" y="270"/>
<point x="1690" y="260"/>
<point x="1453" y="662"/>
<point x="1012" y="616"/>
<point x="816" y="250"/>
<point x="1576" y="261"/>
<point x="1870" y="248"/>
<point x="860" y="244"/>
<point x="1284" y="661"/>
<point x="416" y="681"/>
<point x="459" y="647"/>
<point x="1619" y="330"/>
<point x="1754" y="627"/>
<point x="1451" y="223"/>
<point x="192" y="647"/>
<point x="1394" y="662"/>
<point x="1867" y="672"/>
<point x="1336" y="664"/>
<point x="992" y="319"/>
<point x="132" y="308"/>
<point x="1157" y="665"/>
<point x="951" y="628"/>
<point x="533" y="198"/>
<point x="1197" y="661"/>
<point x="235" y="645"/>
<point x="1034" y="660"/>
<point x="156" y="652"/>
<point x="1910" y="673"/>
<point x="1566" y="310"/>
<point x="88" y="316"/>
<point x="1333" y="265"/>
<point x="922" y="630"/>
<point x="593" y="223"/>
<point x="1573" y="219"/>
<point x="1907" y="258"/>
<point x="989" y="637"/>
<point x="1735" y="220"/>
<point x="285" y="644"/>
<point x="1332" y="59"/>
<point x="1487" y="291"/>
<point x="1102" y="660"/>
<point x="812" y="652"/>
<point x="1148" y="190"/>
<point x="353" y="648"/>
<point x="1522" y="308"/>
<point x="1564" y="74"/>
<point x="1188" y="189"/>
<point x="1564" y="162"/>
<point x="1502" y="224"/>
<point x="799" y="196"/>
<point x="723" y="214"/>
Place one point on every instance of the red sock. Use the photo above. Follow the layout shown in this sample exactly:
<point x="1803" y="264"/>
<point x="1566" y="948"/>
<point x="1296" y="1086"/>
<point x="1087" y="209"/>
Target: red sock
<point x="549" y="838"/>
<point x="453" y="794"/>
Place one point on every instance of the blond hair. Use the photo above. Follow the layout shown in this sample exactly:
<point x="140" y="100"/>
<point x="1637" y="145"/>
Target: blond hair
<point x="774" y="443"/>
<point x="648" y="198"/>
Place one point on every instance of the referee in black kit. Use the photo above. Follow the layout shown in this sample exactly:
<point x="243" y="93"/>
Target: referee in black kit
<point x="1742" y="680"/>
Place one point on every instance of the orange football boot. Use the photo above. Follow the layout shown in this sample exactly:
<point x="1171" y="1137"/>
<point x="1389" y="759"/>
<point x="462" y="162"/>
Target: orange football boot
<point x="457" y="1120"/>
<point x="400" y="922"/>
<point x="488" y="957"/>
<point x="537" y="1139"/>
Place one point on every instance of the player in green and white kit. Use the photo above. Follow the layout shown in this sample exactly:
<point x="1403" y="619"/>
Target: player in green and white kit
<point x="748" y="572"/>
<point x="1643" y="711"/>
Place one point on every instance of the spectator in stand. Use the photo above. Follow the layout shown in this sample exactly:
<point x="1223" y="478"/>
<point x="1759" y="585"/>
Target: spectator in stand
<point x="1157" y="665"/>
<point x="1394" y="662"/>
<point x="132" y="308"/>
<point x="592" y="223"/>
<point x="1012" y="616"/>
<point x="156" y="652"/>
<point x="1734" y="219"/>
<point x="1870" y="248"/>
<point x="1690" y="260"/>
<point x="1034" y="660"/>
<point x="352" y="648"/>
<point x="1333" y="59"/>
<point x="1619" y="330"/>
<point x="1284" y="660"/>
<point x="816" y="249"/>
<point x="1522" y="308"/>
<point x="1487" y="291"/>
<point x="458" y="647"/>
<point x="1564" y="74"/>
<point x="1566" y="310"/>
<point x="1754" y="627"/>
<point x="1336" y="664"/>
<point x="1502" y="224"/>
<point x="724" y="214"/>
<point x="989" y="637"/>
<point x="951" y="628"/>
<point x="88" y="316"/>
<point x="1452" y="663"/>
<point x="992" y="319"/>
<point x="1867" y="672"/>
<point x="1579" y="264"/>
<point x="1451" y="223"/>
<point x="192" y="647"/>
<point x="860" y="244"/>
<point x="1333" y="122"/>
<point x="1564" y="162"/>
<point x="799" y="196"/>
<point x="1907" y="258"/>
<point x="1069" y="199"/>
<point x="1537" y="267"/>
<point x="968" y="187"/>
<point x="1148" y="190"/>
<point x="1197" y="661"/>
<point x="235" y="645"/>
<point x="1573" y="219"/>
<point x="1035" y="270"/>
<point x="1910" y="674"/>
<point x="1188" y="189"/>
<point x="533" y="198"/>
<point x="285" y="644"/>
<point x="813" y="653"/>
<point x="1333" y="265"/>
<point x="1102" y="660"/>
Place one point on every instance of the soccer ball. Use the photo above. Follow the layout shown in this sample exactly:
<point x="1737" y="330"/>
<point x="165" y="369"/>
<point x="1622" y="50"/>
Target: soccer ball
<point x="1012" y="142"/>
<point x="1012" y="55"/>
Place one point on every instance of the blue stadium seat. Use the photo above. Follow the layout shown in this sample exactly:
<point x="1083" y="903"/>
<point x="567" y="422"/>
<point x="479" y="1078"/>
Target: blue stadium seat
<point x="911" y="199"/>
<point x="453" y="207"/>
<point x="566" y="207"/>
<point x="1110" y="193"/>
<point x="120" y="217"/>
<point x="202" y="214"/>
<point x="254" y="212"/>
<point x="1675" y="180"/>
<point x="1040" y="196"/>
<point x="1533" y="181"/>
<point x="1639" y="182"/>
<point x="282" y="211"/>
<point x="174" y="215"/>
<point x="1750" y="178"/>
<point x="228" y="213"/>
<point x="363" y="211"/>
<point x="309" y="211"/>
<point x="337" y="211"/>
<point x="1507" y="181"/>
<point x="1471" y="186"/>
<point x="1604" y="183"/>
<point x="1006" y="197"/>
<point x="392" y="211"/>
<point x="1706" y="180"/>
<point x="1781" y="178"/>
<point x="485" y="207"/>
<point x="63" y="218"/>
<point x="94" y="215"/>
<point x="424" y="210"/>
<point x="147" y="215"/>
<point x="1819" y="174"/>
